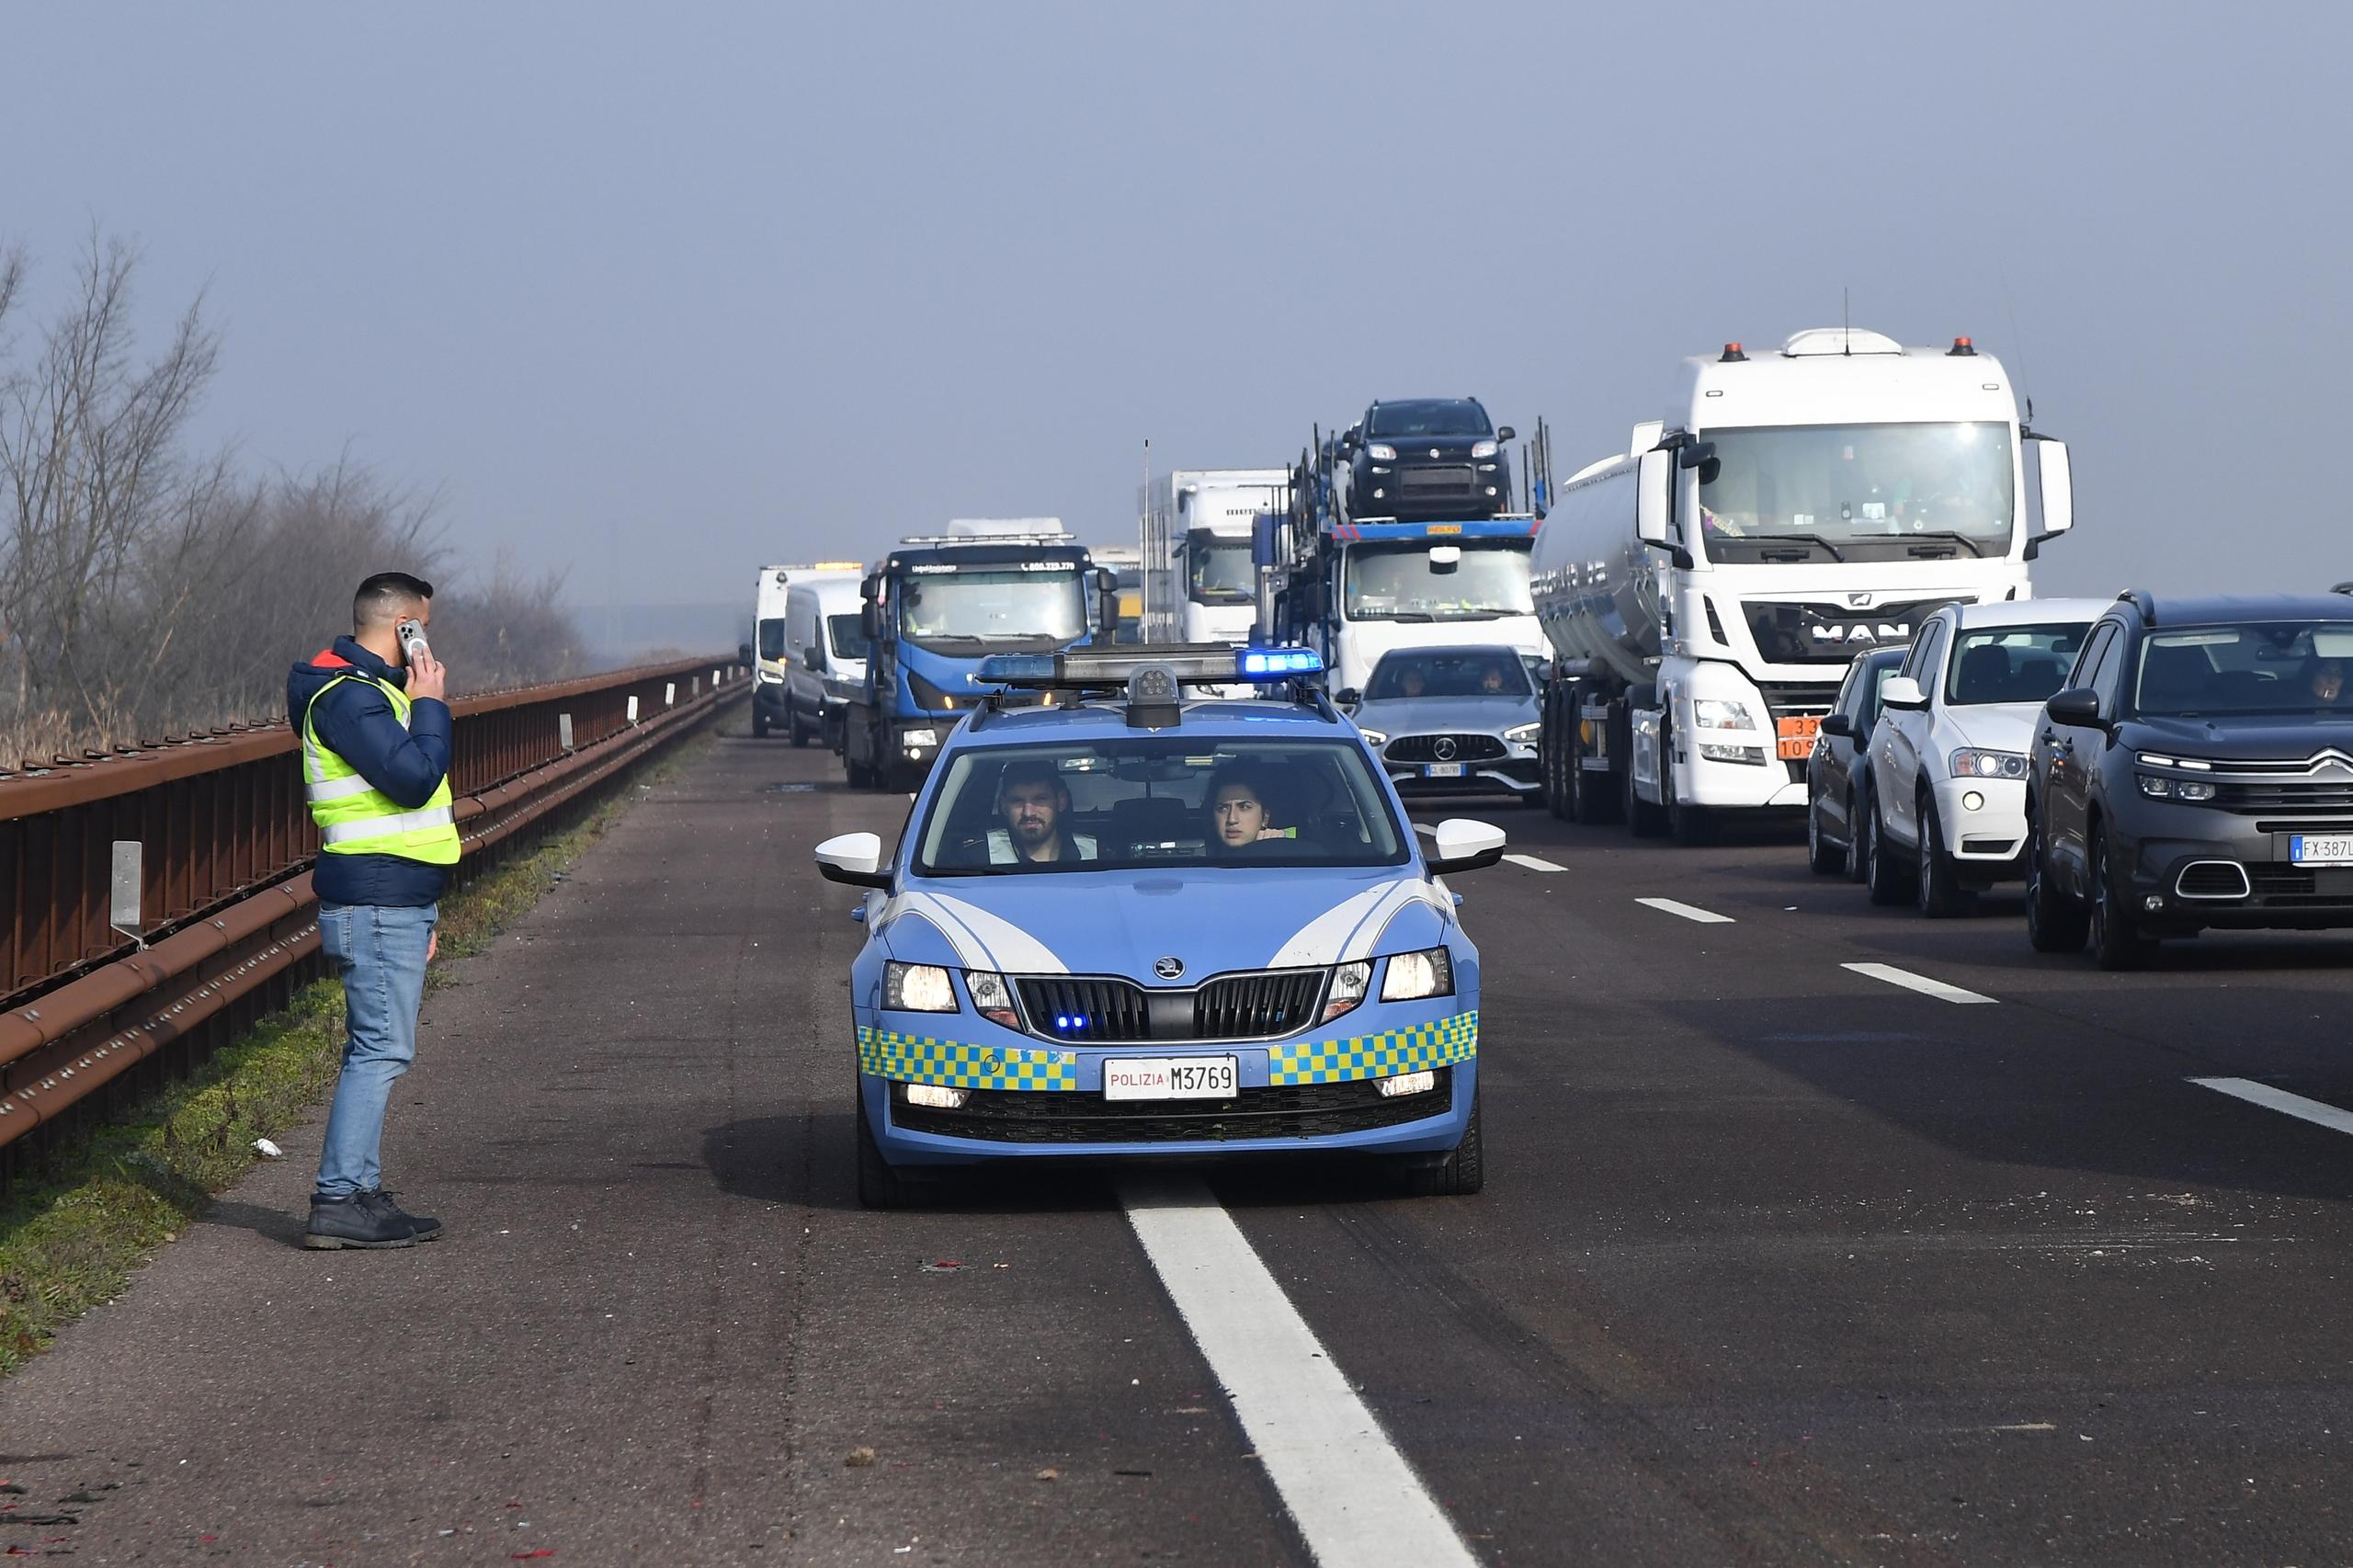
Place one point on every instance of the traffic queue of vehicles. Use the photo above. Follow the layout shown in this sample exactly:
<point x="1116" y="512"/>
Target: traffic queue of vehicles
<point x="1164" y="898"/>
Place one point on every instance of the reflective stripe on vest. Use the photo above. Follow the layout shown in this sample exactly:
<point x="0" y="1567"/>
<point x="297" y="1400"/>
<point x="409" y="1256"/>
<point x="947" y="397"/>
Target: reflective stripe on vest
<point x="356" y="818"/>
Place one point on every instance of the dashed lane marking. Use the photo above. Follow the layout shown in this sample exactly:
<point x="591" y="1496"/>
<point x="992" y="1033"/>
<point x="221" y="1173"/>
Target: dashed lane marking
<point x="2320" y="1113"/>
<point x="1353" y="1495"/>
<point x="1920" y="982"/>
<point x="1688" y="911"/>
<point x="1534" y="862"/>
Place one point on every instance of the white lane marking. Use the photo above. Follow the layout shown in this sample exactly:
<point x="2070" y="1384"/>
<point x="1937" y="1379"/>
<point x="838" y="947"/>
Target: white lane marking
<point x="1920" y="982"/>
<point x="2318" y="1112"/>
<point x="1534" y="862"/>
<point x="1689" y="910"/>
<point x="1350" y="1491"/>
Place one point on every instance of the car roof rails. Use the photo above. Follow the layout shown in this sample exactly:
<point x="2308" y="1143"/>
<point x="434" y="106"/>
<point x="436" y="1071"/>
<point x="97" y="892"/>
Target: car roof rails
<point x="2142" y="600"/>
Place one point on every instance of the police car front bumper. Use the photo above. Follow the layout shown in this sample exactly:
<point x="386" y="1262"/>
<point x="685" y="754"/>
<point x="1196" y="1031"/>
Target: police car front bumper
<point x="1028" y="1099"/>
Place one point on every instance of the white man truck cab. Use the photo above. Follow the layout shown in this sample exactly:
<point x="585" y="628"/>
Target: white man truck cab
<point x="1704" y="591"/>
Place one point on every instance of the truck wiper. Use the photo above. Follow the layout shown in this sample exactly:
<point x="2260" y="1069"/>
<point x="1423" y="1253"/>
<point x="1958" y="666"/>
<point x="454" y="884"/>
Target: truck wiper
<point x="1963" y="541"/>
<point x="1835" y="553"/>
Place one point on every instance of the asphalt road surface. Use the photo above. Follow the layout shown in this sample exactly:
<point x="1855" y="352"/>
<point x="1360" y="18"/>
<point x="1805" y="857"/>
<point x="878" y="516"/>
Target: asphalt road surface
<point x="1973" y="1257"/>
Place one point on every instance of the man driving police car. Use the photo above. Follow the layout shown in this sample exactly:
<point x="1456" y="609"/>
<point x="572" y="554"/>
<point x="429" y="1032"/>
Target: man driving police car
<point x="1032" y="800"/>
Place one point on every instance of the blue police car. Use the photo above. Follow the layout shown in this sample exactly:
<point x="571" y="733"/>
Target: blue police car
<point x="1123" y="923"/>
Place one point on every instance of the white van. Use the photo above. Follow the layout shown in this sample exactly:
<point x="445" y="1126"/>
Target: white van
<point x="824" y="653"/>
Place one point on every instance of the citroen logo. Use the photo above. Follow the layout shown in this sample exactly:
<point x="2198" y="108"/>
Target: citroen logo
<point x="1169" y="968"/>
<point x="1444" y="748"/>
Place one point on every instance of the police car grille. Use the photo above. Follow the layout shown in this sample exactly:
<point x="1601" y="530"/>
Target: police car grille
<point x="1299" y="1110"/>
<point x="1257" y="1006"/>
<point x="1083" y="1007"/>
<point x="1424" y="749"/>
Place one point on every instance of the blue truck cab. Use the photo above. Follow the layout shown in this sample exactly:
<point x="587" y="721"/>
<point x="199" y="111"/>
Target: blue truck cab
<point x="939" y="605"/>
<point x="1130" y="924"/>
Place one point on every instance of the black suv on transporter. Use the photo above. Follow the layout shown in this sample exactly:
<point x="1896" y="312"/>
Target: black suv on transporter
<point x="1427" y="457"/>
<point x="2196" y="771"/>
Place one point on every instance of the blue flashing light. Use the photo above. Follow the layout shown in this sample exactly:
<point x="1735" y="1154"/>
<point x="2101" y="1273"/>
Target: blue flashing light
<point x="1273" y="664"/>
<point x="1017" y="666"/>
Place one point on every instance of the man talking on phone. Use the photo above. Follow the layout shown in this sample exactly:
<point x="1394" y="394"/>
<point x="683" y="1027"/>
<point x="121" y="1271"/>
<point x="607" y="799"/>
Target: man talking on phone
<point x="375" y="731"/>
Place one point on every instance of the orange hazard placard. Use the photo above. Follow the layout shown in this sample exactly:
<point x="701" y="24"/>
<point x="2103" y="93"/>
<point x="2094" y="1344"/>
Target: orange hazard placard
<point x="1797" y="737"/>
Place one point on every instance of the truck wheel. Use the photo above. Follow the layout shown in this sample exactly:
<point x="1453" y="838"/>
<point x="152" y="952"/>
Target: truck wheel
<point x="1591" y="800"/>
<point x="792" y="726"/>
<point x="1551" y="747"/>
<point x="2055" y="923"/>
<point x="759" y="721"/>
<point x="1941" y="894"/>
<point x="1884" y="874"/>
<point x="1461" y="1172"/>
<point x="2116" y="938"/>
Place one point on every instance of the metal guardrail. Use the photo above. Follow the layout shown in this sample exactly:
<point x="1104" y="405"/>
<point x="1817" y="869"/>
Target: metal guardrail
<point x="223" y="886"/>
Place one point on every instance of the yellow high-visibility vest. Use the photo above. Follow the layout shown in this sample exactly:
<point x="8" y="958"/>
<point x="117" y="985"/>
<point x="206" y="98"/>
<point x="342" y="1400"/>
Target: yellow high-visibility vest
<point x="356" y="818"/>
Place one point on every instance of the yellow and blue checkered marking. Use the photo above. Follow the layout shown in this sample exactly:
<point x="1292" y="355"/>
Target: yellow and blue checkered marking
<point x="1375" y="1055"/>
<point x="921" y="1059"/>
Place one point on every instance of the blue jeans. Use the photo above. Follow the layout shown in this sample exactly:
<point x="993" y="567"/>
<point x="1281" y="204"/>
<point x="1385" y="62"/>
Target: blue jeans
<point x="378" y="952"/>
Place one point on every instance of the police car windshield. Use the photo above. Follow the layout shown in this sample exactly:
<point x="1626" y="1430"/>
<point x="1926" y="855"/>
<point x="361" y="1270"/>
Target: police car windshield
<point x="2011" y="664"/>
<point x="1132" y="801"/>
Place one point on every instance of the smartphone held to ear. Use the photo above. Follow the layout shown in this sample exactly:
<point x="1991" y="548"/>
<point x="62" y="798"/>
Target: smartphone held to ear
<point x="411" y="633"/>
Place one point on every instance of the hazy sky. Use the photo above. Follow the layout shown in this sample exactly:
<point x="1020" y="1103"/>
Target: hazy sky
<point x="658" y="292"/>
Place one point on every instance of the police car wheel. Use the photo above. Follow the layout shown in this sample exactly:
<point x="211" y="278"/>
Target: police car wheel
<point x="879" y="1185"/>
<point x="1459" y="1174"/>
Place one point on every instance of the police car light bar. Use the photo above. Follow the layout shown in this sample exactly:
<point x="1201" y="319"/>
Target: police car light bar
<point x="1197" y="663"/>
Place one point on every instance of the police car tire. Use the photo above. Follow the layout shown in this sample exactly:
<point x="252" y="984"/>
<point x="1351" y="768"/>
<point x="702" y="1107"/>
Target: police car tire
<point x="879" y="1185"/>
<point x="1461" y="1174"/>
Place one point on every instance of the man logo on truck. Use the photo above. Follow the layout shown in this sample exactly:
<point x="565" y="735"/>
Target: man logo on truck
<point x="1858" y="633"/>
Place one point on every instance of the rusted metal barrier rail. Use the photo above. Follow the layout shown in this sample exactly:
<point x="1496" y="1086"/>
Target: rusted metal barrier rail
<point x="227" y="911"/>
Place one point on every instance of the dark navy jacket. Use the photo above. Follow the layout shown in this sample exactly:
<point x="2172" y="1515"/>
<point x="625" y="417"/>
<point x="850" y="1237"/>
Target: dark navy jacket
<point x="355" y="721"/>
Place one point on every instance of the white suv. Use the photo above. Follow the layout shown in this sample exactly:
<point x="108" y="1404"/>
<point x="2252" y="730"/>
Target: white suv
<point x="1948" y="761"/>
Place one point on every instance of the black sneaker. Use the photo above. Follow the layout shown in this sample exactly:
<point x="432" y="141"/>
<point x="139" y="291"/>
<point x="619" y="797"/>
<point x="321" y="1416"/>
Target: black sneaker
<point x="423" y="1227"/>
<point x="363" y="1219"/>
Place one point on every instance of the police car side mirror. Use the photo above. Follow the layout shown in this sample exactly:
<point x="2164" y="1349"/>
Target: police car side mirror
<point x="853" y="858"/>
<point x="1462" y="844"/>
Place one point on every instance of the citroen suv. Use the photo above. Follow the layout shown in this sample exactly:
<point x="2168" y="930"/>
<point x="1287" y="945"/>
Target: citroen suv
<point x="2195" y="771"/>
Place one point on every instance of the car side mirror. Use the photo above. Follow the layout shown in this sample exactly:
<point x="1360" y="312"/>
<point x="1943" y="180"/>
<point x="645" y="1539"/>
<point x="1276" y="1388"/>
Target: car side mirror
<point x="1349" y="697"/>
<point x="1463" y="845"/>
<point x="814" y="657"/>
<point x="1838" y="724"/>
<point x="2078" y="705"/>
<point x="868" y="622"/>
<point x="1505" y="432"/>
<point x="1691" y="454"/>
<point x="1903" y="691"/>
<point x="854" y="859"/>
<point x="743" y="653"/>
<point x="1654" y="502"/>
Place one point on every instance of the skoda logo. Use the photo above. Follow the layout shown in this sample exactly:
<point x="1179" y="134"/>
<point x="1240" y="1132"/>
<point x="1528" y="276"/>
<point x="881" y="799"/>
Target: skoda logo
<point x="1444" y="748"/>
<point x="1169" y="968"/>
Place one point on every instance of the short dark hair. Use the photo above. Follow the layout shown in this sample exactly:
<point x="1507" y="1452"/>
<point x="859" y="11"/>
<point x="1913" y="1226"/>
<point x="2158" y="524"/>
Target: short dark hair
<point x="385" y="594"/>
<point x="1044" y="773"/>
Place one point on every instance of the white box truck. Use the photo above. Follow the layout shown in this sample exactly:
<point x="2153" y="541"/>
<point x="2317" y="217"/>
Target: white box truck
<point x="1703" y="591"/>
<point x="773" y="658"/>
<point x="1199" y="585"/>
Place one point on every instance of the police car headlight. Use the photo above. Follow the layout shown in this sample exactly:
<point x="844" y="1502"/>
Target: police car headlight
<point x="992" y="997"/>
<point x="1349" y="984"/>
<point x="1413" y="976"/>
<point x="918" y="988"/>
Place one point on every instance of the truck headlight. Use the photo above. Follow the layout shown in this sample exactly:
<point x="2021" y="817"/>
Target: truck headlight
<point x="918" y="988"/>
<point x="1412" y="976"/>
<point x="1348" y="988"/>
<point x="1721" y="751"/>
<point x="1382" y="452"/>
<point x="1971" y="762"/>
<point x="1523" y="734"/>
<point x="919" y="737"/>
<point x="1715" y="713"/>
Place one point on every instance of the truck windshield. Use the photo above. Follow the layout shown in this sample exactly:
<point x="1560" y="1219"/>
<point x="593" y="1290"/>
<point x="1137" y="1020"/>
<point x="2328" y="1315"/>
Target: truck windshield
<point x="1221" y="571"/>
<point x="772" y="638"/>
<point x="1122" y="801"/>
<point x="2303" y="668"/>
<point x="1478" y="580"/>
<point x="1857" y="492"/>
<point x="849" y="641"/>
<point x="2012" y="664"/>
<point x="993" y="605"/>
<point x="1430" y="416"/>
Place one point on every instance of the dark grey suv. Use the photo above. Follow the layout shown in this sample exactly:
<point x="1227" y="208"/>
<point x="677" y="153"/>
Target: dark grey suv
<point x="2196" y="772"/>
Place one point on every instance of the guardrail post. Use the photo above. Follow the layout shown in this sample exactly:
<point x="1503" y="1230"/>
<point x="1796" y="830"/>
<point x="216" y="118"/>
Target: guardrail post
<point x="123" y="896"/>
<point x="632" y="708"/>
<point x="563" y="731"/>
<point x="669" y="694"/>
